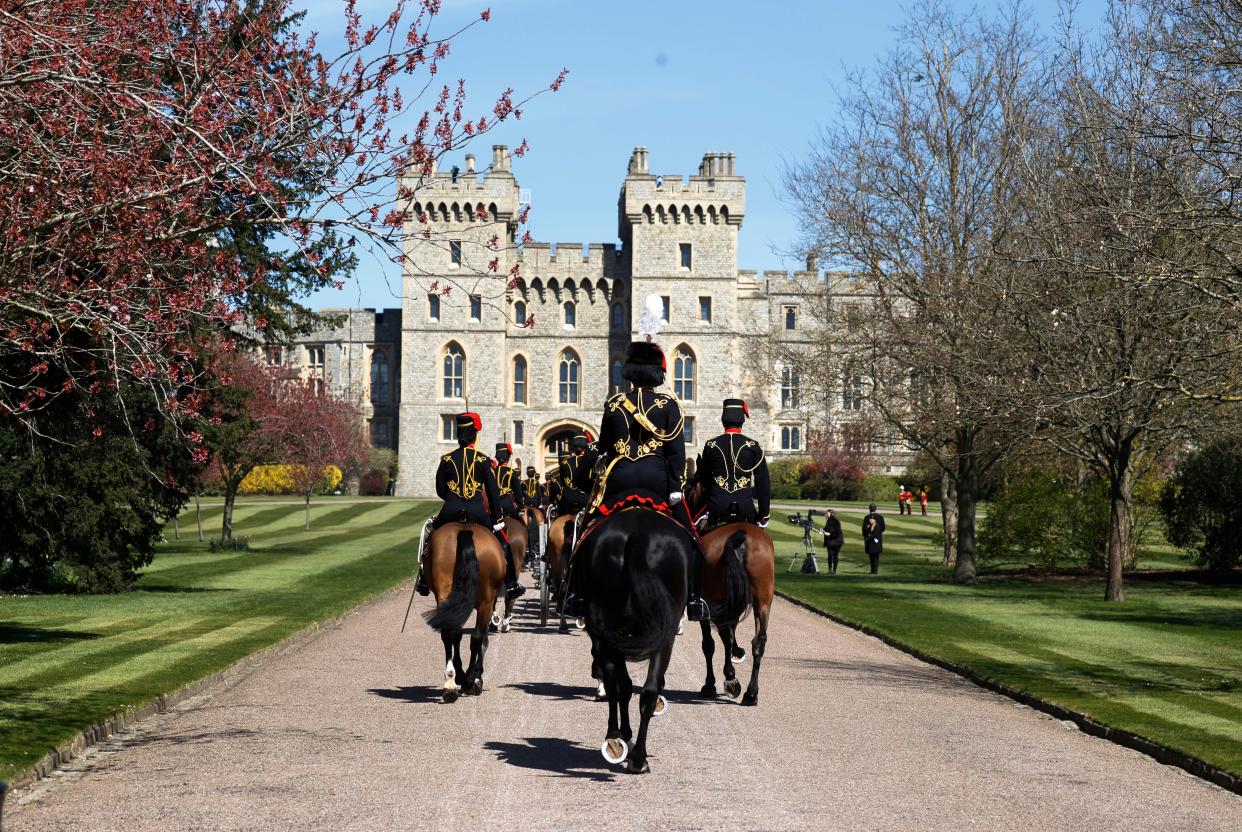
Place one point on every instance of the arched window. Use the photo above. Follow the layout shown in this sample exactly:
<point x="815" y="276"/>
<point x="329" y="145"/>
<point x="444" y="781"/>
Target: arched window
<point x="454" y="372"/>
<point x="379" y="378"/>
<point x="519" y="313"/>
<point x="433" y="307"/>
<point x="519" y="380"/>
<point x="569" y="370"/>
<point x="683" y="374"/>
<point x="571" y="313"/>
<point x="615" y="378"/>
<point x="618" y="316"/>
<point x="789" y="388"/>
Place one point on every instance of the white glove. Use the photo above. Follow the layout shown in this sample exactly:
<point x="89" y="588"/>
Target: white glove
<point x="675" y="497"/>
<point x="499" y="527"/>
<point x="763" y="524"/>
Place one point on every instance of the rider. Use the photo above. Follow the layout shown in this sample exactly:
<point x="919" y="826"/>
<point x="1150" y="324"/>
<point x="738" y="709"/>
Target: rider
<point x="732" y="473"/>
<point x="504" y="481"/>
<point x="463" y="479"/>
<point x="531" y="492"/>
<point x="575" y="475"/>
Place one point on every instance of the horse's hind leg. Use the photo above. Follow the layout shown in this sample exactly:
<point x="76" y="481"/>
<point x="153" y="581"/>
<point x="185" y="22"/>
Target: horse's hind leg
<point x="616" y="681"/>
<point x="751" y="697"/>
<point x="731" y="685"/>
<point x="709" y="652"/>
<point x="647" y="700"/>
<point x="452" y="669"/>
<point x="473" y="682"/>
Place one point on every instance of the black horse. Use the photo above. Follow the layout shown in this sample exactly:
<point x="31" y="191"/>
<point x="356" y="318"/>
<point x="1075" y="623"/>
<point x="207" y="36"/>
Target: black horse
<point x="633" y="571"/>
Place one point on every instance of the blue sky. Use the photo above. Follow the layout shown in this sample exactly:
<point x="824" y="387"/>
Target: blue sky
<point x="681" y="77"/>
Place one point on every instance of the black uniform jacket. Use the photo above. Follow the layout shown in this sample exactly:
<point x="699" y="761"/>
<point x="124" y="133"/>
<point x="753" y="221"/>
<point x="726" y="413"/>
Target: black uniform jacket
<point x="575" y="481"/>
<point x="464" y="477"/>
<point x="834" y="537"/>
<point x="873" y="537"/>
<point x="531" y="492"/>
<point x="506" y="477"/>
<point x="642" y="445"/>
<point x="734" y="476"/>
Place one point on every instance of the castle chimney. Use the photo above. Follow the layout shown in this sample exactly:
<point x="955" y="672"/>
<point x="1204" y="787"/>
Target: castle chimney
<point x="469" y="163"/>
<point x="500" y="157"/>
<point x="812" y="261"/>
<point x="732" y="159"/>
<point x="638" y="160"/>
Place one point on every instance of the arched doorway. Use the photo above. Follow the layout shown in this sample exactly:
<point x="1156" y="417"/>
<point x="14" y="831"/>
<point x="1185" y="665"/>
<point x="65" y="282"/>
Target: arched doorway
<point x="554" y="438"/>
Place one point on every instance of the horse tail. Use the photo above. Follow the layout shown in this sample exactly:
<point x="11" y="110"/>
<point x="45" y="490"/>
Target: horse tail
<point x="654" y="609"/>
<point x="532" y="527"/>
<point x="736" y="578"/>
<point x="452" y="612"/>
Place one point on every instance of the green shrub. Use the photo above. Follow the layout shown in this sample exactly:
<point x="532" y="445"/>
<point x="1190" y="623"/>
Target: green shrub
<point x="1201" y="509"/>
<point x="786" y="476"/>
<point x="237" y="544"/>
<point x="879" y="489"/>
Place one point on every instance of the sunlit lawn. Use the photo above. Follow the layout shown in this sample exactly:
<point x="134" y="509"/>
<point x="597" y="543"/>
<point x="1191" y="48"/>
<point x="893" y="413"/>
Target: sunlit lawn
<point x="69" y="661"/>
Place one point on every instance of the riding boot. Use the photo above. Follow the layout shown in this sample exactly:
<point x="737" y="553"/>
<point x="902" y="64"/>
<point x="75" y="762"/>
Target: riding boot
<point x="696" y="608"/>
<point x="420" y="583"/>
<point x="575" y="604"/>
<point x="512" y="588"/>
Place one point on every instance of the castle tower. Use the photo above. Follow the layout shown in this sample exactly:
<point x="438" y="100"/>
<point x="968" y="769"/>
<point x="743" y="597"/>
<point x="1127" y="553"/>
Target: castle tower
<point x="461" y="220"/>
<point x="680" y="238"/>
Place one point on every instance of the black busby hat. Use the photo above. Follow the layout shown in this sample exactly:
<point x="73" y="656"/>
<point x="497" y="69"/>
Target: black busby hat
<point x="734" y="413"/>
<point x="530" y="470"/>
<point x="578" y="443"/>
<point x="468" y="426"/>
<point x="503" y="451"/>
<point x="645" y="364"/>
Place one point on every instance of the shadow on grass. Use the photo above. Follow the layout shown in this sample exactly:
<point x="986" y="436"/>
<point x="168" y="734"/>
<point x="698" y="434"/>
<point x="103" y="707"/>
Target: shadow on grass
<point x="556" y="756"/>
<point x="12" y="632"/>
<point x="172" y="588"/>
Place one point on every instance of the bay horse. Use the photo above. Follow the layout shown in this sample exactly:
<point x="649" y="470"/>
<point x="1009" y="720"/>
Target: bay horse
<point x="557" y="560"/>
<point x="739" y="571"/>
<point x="466" y="568"/>
<point x="633" y="570"/>
<point x="515" y="530"/>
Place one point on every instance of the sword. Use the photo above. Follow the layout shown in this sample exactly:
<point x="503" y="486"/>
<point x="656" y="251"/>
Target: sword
<point x="422" y="536"/>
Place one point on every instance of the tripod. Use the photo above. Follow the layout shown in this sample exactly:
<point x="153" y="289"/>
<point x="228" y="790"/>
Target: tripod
<point x="809" y="563"/>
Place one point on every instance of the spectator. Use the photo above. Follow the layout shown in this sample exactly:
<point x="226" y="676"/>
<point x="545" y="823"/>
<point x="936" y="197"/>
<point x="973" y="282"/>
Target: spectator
<point x="901" y="499"/>
<point x="923" y="498"/>
<point x="873" y="537"/>
<point x="833" y="539"/>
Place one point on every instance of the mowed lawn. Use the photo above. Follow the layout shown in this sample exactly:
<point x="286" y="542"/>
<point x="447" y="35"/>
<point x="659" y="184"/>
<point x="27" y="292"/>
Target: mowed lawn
<point x="1165" y="664"/>
<point x="67" y="662"/>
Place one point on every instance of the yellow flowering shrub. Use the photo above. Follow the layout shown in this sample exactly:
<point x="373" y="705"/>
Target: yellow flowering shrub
<point x="283" y="479"/>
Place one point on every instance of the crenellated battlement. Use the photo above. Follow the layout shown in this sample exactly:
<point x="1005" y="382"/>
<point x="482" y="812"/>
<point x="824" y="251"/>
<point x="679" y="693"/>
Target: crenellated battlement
<point x="715" y="195"/>
<point x="593" y="260"/>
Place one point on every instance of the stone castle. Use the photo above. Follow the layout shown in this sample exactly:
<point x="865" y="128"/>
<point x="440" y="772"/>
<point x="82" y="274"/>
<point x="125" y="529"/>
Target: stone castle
<point x="535" y="385"/>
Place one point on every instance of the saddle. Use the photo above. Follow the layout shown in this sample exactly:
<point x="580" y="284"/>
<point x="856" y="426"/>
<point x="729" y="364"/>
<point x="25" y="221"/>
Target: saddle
<point x="603" y="513"/>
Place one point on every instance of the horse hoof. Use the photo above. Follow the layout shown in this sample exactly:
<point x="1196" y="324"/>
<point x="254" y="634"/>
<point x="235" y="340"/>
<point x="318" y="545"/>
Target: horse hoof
<point x="600" y="693"/>
<point x="615" y="750"/>
<point x="580" y="623"/>
<point x="492" y="628"/>
<point x="563" y="628"/>
<point x="496" y="619"/>
<point x="477" y="688"/>
<point x="739" y="655"/>
<point x="751" y="698"/>
<point x="661" y="706"/>
<point x="450" y="695"/>
<point x="708" y="691"/>
<point x="506" y="625"/>
<point x="733" y="687"/>
<point x="634" y="767"/>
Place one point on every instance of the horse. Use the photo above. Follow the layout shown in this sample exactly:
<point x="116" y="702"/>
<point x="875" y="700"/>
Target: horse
<point x="739" y="571"/>
<point x="466" y="569"/>
<point x="557" y="557"/>
<point x="633" y="570"/>
<point x="515" y="530"/>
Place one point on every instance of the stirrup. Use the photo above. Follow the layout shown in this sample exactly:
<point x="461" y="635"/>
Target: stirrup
<point x="696" y="610"/>
<point x="420" y="585"/>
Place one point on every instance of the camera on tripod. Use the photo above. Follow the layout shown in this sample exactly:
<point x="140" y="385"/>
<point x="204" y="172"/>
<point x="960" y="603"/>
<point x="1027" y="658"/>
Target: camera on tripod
<point x="808" y="522"/>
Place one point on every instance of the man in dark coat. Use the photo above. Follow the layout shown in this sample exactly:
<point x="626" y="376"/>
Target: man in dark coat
<point x="531" y="492"/>
<point x="873" y="537"/>
<point x="575" y="475"/>
<point x="834" y="539"/>
<point x="465" y="477"/>
<point x="506" y="481"/>
<point x="733" y="473"/>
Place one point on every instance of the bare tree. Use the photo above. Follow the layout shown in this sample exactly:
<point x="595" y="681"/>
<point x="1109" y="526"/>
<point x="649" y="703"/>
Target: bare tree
<point x="914" y="189"/>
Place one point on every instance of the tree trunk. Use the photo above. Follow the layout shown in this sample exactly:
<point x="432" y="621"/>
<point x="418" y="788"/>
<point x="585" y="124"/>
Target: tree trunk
<point x="308" y="498"/>
<point x="948" y="515"/>
<point x="965" y="570"/>
<point x="1120" y="494"/>
<point x="230" y="495"/>
<point x="198" y="513"/>
<point x="177" y="526"/>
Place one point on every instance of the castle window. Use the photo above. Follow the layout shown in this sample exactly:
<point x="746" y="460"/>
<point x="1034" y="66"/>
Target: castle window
<point x="379" y="433"/>
<point x="476" y="308"/>
<point x="683" y="374"/>
<point x="519" y="432"/>
<point x="433" y="307"/>
<point x="851" y="392"/>
<point x="618" y="316"/>
<point x="667" y="308"/>
<point x="379" y="378"/>
<point x="519" y="313"/>
<point x="569" y="377"/>
<point x="314" y="358"/>
<point x="705" y="309"/>
<point x="789" y="388"/>
<point x="519" y="380"/>
<point x="685" y="255"/>
<point x="454" y="372"/>
<point x="274" y="356"/>
<point x="791" y="317"/>
<point x="571" y="313"/>
<point x="318" y="387"/>
<point x="455" y="252"/>
<point x="791" y="438"/>
<point x="615" y="379"/>
<point x="448" y="428"/>
<point x="687" y="430"/>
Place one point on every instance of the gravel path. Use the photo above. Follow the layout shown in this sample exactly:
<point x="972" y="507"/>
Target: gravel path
<point x="348" y="733"/>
